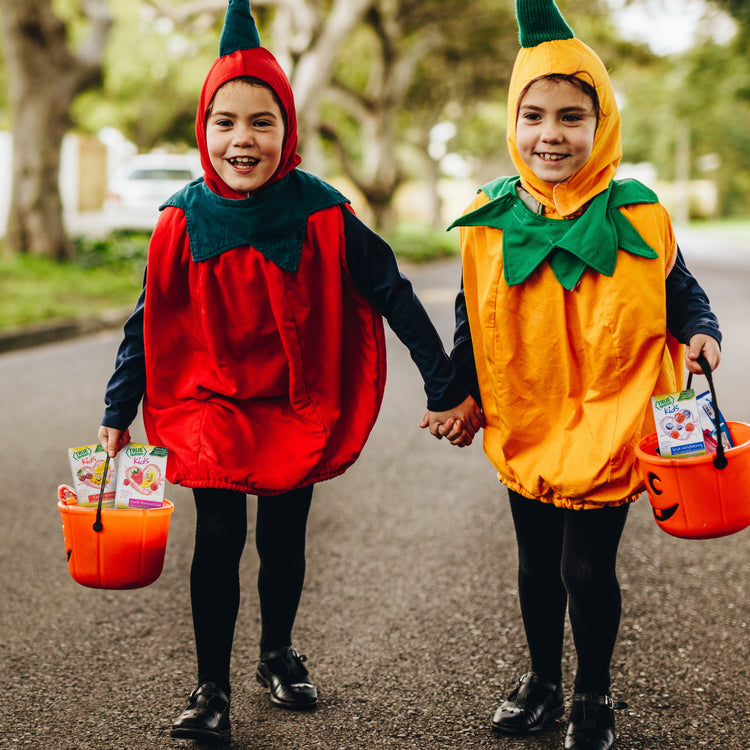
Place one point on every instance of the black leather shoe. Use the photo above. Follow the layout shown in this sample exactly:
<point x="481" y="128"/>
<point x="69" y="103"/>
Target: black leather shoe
<point x="592" y="722"/>
<point x="529" y="706"/>
<point x="284" y="674"/>
<point x="206" y="717"/>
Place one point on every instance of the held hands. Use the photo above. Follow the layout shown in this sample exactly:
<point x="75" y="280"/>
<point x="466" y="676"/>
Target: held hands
<point x="113" y="440"/>
<point x="699" y="344"/>
<point x="458" y="425"/>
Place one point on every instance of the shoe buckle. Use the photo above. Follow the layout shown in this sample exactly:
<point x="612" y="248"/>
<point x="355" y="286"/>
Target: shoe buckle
<point x="603" y="700"/>
<point x="298" y="655"/>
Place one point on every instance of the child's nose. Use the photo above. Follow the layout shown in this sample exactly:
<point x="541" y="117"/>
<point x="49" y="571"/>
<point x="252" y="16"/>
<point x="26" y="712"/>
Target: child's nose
<point x="551" y="132"/>
<point x="243" y="135"/>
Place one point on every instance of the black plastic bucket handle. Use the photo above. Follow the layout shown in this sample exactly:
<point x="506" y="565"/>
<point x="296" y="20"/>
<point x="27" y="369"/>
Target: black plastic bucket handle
<point x="98" y="523"/>
<point x="720" y="460"/>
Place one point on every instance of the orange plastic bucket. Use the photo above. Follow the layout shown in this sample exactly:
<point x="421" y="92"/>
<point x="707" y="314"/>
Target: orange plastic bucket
<point x="127" y="553"/>
<point x="693" y="499"/>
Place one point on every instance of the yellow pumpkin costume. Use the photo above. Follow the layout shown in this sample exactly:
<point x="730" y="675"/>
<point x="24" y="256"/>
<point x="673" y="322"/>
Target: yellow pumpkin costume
<point x="569" y="332"/>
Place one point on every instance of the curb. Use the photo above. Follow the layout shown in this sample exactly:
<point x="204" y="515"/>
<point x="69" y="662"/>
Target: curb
<point x="60" y="330"/>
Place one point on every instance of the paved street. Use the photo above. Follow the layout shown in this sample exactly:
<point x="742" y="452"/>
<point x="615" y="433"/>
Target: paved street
<point x="410" y="615"/>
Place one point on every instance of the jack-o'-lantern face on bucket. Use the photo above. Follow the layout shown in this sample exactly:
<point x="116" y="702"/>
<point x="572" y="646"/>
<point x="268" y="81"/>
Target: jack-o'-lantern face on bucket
<point x="661" y="514"/>
<point x="699" y="497"/>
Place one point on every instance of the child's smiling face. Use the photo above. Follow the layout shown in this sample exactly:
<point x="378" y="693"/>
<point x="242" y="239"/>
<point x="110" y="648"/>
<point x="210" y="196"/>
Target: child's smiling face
<point x="555" y="129"/>
<point x="245" y="135"/>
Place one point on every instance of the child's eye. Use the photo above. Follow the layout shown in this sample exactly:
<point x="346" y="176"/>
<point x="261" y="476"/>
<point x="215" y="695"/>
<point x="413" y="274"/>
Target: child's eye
<point x="262" y="124"/>
<point x="223" y="123"/>
<point x="531" y="116"/>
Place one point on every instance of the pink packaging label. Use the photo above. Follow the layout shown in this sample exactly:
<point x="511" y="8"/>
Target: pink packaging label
<point x="141" y="476"/>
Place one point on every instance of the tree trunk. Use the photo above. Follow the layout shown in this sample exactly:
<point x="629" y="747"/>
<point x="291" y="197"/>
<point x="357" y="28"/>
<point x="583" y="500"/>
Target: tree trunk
<point x="383" y="213"/>
<point x="309" y="40"/>
<point x="432" y="172"/>
<point x="377" y="109"/>
<point x="381" y="175"/>
<point x="44" y="77"/>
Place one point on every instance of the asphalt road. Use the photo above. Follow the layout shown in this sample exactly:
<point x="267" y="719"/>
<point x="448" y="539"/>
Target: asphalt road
<point x="410" y="614"/>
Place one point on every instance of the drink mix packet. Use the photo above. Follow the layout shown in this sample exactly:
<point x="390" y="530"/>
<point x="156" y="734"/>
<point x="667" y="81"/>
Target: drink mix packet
<point x="87" y="466"/>
<point x="707" y="417"/>
<point x="141" y="476"/>
<point x="678" y="427"/>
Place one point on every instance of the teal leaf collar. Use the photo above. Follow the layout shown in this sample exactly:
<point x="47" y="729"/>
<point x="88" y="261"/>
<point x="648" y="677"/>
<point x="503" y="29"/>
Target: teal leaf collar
<point x="273" y="220"/>
<point x="570" y="245"/>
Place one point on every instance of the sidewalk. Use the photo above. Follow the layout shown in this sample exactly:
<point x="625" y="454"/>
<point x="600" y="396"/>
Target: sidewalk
<point x="720" y="249"/>
<point x="59" y="330"/>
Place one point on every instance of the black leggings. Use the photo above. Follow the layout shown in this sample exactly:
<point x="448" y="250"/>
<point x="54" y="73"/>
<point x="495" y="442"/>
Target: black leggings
<point x="569" y="557"/>
<point x="221" y="531"/>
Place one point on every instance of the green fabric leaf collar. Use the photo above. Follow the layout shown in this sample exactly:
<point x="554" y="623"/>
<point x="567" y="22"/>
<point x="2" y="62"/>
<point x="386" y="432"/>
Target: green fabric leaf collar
<point x="273" y="221"/>
<point x="570" y="245"/>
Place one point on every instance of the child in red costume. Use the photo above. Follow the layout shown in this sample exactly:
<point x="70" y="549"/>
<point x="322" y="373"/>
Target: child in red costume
<point x="257" y="346"/>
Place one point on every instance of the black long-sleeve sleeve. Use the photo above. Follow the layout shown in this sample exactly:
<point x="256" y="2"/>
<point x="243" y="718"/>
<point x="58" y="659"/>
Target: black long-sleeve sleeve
<point x="462" y="355"/>
<point x="127" y="385"/>
<point x="374" y="271"/>
<point x="688" y="308"/>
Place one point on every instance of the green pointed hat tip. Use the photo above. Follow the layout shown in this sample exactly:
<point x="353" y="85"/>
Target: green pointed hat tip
<point x="240" y="31"/>
<point x="540" y="21"/>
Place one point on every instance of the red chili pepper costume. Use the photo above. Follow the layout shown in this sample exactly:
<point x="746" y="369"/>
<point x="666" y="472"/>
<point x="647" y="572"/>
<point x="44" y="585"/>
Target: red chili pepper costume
<point x="262" y="362"/>
<point x="259" y="378"/>
<point x="259" y="386"/>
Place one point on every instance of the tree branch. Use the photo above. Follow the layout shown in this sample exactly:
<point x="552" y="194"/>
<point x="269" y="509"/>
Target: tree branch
<point x="328" y="133"/>
<point x="185" y="11"/>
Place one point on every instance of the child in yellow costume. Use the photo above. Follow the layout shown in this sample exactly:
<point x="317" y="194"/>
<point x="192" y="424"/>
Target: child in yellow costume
<point x="575" y="305"/>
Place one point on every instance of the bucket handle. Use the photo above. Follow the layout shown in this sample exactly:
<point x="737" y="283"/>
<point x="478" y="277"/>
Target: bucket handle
<point x="720" y="460"/>
<point x="98" y="523"/>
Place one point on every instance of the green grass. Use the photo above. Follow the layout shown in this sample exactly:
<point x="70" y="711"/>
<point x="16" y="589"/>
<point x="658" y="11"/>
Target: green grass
<point x="34" y="290"/>
<point x="105" y="275"/>
<point x="739" y="227"/>
<point x="420" y="245"/>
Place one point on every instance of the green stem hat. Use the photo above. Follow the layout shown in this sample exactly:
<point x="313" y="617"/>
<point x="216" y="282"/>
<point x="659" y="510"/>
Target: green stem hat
<point x="240" y="31"/>
<point x="540" y="21"/>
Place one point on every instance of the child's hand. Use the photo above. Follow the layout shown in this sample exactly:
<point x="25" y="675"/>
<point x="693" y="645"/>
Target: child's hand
<point x="455" y="434"/>
<point x="458" y="425"/>
<point x="113" y="440"/>
<point x="699" y="344"/>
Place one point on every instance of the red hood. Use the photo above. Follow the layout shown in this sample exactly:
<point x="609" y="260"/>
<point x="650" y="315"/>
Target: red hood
<point x="258" y="63"/>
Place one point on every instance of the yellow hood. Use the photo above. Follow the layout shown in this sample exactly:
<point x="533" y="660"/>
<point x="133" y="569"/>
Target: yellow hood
<point x="568" y="57"/>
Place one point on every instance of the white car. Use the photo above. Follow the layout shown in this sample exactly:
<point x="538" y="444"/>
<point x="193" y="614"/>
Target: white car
<point x="142" y="183"/>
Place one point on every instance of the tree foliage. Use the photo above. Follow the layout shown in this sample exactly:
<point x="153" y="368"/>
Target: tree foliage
<point x="153" y="70"/>
<point x="738" y="9"/>
<point x="426" y="64"/>
<point x="703" y="95"/>
<point x="372" y="77"/>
